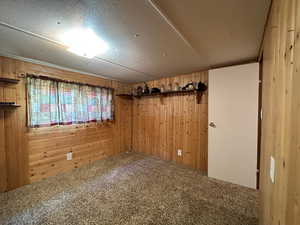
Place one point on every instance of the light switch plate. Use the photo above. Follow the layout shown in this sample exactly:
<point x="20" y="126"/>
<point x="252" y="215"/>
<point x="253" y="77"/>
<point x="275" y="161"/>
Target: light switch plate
<point x="272" y="169"/>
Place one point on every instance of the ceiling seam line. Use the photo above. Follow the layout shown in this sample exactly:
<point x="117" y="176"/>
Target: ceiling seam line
<point x="29" y="33"/>
<point x="62" y="45"/>
<point x="128" y="68"/>
<point x="171" y="24"/>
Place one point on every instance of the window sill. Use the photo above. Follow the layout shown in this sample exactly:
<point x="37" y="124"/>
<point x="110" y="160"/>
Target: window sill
<point x="72" y="126"/>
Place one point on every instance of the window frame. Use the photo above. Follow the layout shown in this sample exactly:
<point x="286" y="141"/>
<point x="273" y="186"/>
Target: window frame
<point x="73" y="123"/>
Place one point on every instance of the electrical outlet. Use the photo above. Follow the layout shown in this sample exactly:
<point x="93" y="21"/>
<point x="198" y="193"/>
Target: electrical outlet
<point x="69" y="156"/>
<point x="272" y="169"/>
<point x="179" y="152"/>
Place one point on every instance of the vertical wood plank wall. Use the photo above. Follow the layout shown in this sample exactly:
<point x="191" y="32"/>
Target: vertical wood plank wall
<point x="28" y="155"/>
<point x="281" y="116"/>
<point x="161" y="126"/>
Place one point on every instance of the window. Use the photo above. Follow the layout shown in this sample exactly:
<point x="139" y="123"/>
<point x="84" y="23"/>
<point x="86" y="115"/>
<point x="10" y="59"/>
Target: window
<point x="54" y="102"/>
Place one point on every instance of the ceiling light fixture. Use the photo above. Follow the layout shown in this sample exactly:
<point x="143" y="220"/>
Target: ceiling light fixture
<point x="84" y="42"/>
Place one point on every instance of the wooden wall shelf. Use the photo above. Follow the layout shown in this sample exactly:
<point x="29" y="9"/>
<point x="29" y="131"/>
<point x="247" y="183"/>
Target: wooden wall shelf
<point x="8" y="106"/>
<point x="164" y="94"/>
<point x="9" y="80"/>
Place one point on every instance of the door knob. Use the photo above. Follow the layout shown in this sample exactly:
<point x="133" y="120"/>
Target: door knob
<point x="212" y="124"/>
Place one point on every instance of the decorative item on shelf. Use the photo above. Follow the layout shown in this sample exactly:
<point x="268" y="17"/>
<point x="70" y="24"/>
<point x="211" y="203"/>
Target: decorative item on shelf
<point x="155" y="90"/>
<point x="189" y="86"/>
<point x="176" y="87"/>
<point x="146" y="89"/>
<point x="195" y="85"/>
<point x="169" y="88"/>
<point x="139" y="91"/>
<point x="162" y="88"/>
<point x="201" y="87"/>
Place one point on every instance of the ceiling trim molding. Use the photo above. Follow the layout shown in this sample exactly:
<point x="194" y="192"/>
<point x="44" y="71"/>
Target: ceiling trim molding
<point x="59" y="44"/>
<point x="235" y="63"/>
<point x="39" y="62"/>
<point x="262" y="43"/>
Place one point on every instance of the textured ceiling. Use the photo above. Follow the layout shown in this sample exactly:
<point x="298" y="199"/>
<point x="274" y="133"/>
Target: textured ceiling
<point x="173" y="36"/>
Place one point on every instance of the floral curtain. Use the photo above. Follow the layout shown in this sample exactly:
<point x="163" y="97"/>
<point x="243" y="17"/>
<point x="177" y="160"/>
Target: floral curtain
<point x="56" y="102"/>
<point x="42" y="102"/>
<point x="106" y="106"/>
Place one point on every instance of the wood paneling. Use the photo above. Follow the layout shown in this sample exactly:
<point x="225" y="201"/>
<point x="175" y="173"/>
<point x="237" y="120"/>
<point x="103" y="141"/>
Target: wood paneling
<point x="161" y="126"/>
<point x="3" y="178"/>
<point x="281" y="121"/>
<point x="28" y="155"/>
<point x="48" y="148"/>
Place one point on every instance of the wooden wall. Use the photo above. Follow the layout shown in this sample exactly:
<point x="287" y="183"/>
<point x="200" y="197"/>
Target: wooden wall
<point x="28" y="155"/>
<point x="161" y="126"/>
<point x="281" y="115"/>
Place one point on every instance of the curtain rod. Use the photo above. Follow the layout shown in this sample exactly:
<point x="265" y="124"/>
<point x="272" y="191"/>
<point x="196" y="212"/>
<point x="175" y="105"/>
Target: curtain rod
<point x="64" y="81"/>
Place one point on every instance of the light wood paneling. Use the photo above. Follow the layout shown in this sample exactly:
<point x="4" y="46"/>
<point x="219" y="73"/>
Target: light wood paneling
<point x="281" y="121"/>
<point x="161" y="126"/>
<point x="48" y="148"/>
<point x="3" y="178"/>
<point x="28" y="155"/>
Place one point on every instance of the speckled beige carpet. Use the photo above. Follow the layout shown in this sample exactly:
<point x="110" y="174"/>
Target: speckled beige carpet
<point x="130" y="189"/>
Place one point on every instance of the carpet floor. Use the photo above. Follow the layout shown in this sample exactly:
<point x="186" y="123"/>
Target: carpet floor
<point x="130" y="189"/>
